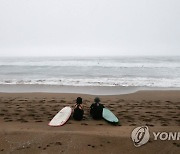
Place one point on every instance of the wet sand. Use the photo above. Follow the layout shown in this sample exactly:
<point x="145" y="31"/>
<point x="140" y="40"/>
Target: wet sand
<point x="24" y="121"/>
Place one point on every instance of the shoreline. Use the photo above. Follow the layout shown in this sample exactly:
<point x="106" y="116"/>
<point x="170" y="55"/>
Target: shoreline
<point x="92" y="90"/>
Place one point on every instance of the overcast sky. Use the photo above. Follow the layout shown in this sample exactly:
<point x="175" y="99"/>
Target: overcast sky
<point x="89" y="27"/>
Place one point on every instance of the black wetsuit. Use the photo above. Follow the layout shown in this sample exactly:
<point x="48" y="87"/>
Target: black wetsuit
<point x="96" y="110"/>
<point x="78" y="113"/>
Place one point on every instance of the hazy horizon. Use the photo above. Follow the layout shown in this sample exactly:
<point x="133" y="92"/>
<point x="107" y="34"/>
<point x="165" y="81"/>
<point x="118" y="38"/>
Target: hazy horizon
<point x="89" y="28"/>
<point x="94" y="56"/>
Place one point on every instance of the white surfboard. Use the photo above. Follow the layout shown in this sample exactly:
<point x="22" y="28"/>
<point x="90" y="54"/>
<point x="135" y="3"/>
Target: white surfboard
<point x="61" y="117"/>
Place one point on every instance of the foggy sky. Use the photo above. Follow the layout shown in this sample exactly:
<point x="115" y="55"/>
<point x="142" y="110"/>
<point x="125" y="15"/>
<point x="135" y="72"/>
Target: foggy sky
<point x="89" y="27"/>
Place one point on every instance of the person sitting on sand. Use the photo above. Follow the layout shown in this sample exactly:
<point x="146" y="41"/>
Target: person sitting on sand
<point x="96" y="109"/>
<point x="78" y="109"/>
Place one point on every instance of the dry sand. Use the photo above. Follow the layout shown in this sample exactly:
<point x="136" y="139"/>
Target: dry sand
<point x="24" y="121"/>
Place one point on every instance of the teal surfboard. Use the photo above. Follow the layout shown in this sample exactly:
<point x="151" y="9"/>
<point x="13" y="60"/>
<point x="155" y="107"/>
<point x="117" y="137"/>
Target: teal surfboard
<point x="109" y="116"/>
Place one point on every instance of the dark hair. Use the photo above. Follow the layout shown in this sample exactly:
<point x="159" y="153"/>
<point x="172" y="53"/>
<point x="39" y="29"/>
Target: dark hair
<point x="97" y="100"/>
<point x="79" y="100"/>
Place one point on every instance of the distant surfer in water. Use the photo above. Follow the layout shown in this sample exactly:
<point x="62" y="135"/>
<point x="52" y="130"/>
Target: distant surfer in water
<point x="78" y="109"/>
<point x="96" y="109"/>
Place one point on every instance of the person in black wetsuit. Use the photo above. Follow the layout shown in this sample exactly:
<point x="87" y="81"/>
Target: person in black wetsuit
<point x="78" y="109"/>
<point x="96" y="109"/>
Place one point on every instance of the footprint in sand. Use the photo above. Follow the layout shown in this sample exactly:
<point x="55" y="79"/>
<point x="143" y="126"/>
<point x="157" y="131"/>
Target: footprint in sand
<point x="38" y="121"/>
<point x="176" y="144"/>
<point x="84" y="124"/>
<point x="147" y="120"/>
<point x="9" y="120"/>
<point x="2" y="114"/>
<point x="15" y="114"/>
<point x="21" y="120"/>
<point x="100" y="124"/>
<point x="178" y="121"/>
<point x="42" y="109"/>
<point x="58" y="143"/>
<point x="6" y="118"/>
<point x="89" y="145"/>
<point x="47" y="145"/>
<point x="31" y="115"/>
<point x="55" y="110"/>
<point x="4" y="110"/>
<point x="62" y="101"/>
<point x="148" y="112"/>
<point x="175" y="117"/>
<point x="151" y="125"/>
<point x="163" y="124"/>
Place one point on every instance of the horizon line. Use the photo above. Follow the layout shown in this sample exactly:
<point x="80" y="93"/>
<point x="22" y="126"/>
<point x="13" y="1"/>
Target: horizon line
<point x="6" y="56"/>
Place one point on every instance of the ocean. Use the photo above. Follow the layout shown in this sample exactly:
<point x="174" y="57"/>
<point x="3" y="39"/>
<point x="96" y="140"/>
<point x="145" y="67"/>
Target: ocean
<point x="144" y="71"/>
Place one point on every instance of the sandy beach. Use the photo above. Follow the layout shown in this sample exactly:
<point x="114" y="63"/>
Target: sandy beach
<point x="127" y="53"/>
<point x="24" y="121"/>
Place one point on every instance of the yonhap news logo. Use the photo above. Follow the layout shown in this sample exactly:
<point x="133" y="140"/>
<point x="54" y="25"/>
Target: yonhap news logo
<point x="141" y="135"/>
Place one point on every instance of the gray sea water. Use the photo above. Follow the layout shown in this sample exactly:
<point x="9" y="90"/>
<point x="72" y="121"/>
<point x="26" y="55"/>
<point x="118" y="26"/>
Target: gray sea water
<point x="91" y="71"/>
